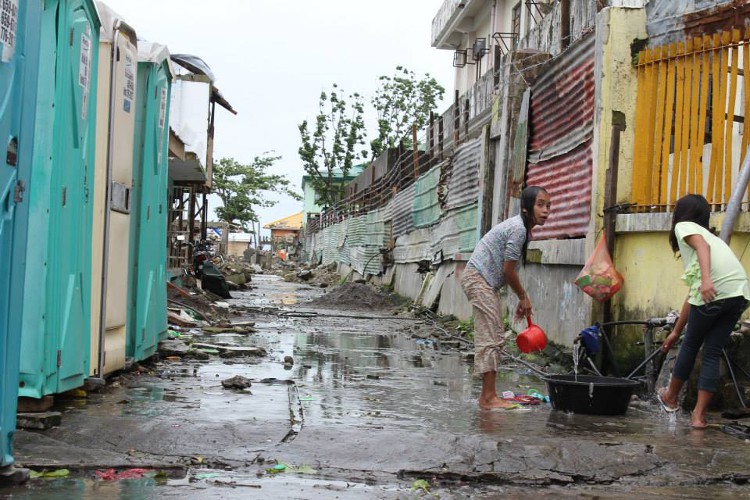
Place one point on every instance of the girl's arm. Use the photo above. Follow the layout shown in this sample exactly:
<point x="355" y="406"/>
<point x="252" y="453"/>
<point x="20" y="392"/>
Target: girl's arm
<point x="708" y="292"/>
<point x="512" y="279"/>
<point x="674" y="335"/>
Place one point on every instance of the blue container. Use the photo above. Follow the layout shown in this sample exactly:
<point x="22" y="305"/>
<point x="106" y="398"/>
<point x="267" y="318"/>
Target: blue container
<point x="18" y="77"/>
<point x="147" y="322"/>
<point x="55" y="344"/>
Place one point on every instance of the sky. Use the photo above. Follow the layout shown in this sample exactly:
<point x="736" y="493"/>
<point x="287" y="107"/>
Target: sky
<point x="272" y="58"/>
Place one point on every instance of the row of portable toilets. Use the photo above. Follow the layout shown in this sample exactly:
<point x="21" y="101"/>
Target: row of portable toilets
<point x="84" y="116"/>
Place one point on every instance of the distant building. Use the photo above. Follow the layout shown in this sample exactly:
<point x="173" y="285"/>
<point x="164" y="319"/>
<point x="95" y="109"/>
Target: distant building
<point x="285" y="235"/>
<point x="239" y="242"/>
<point x="312" y="197"/>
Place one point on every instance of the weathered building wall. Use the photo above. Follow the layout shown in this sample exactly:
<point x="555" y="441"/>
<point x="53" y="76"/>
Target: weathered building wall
<point x="674" y="20"/>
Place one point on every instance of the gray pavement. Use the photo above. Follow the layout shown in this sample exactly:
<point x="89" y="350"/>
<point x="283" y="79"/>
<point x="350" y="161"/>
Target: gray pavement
<point x="367" y="410"/>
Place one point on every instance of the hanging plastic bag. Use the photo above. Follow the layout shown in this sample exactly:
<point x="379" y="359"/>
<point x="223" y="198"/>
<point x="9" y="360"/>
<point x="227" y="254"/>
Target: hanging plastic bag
<point x="599" y="278"/>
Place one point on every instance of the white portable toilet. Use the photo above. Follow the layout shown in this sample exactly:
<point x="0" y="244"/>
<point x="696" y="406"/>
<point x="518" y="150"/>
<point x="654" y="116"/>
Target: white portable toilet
<point x="115" y="126"/>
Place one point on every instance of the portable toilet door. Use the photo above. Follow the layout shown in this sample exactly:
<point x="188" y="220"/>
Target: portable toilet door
<point x="19" y="56"/>
<point x="148" y="235"/>
<point x="56" y="323"/>
<point x="115" y="126"/>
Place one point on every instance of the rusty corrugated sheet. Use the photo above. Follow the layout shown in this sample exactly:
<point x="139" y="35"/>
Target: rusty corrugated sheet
<point x="561" y="130"/>
<point x="463" y="178"/>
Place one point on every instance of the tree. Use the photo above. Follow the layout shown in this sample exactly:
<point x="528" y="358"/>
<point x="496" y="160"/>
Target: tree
<point x="400" y="101"/>
<point x="328" y="151"/>
<point x="243" y="187"/>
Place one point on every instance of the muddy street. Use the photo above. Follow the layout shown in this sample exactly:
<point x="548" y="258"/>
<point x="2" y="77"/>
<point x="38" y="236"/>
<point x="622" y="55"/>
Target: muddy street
<point x="354" y="403"/>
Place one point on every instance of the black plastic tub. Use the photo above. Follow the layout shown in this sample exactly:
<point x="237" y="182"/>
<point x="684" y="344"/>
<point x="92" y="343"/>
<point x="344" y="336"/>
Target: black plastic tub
<point x="590" y="394"/>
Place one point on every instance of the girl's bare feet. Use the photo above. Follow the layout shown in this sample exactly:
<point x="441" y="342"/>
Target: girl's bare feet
<point x="698" y="421"/>
<point x="493" y="403"/>
<point x="670" y="404"/>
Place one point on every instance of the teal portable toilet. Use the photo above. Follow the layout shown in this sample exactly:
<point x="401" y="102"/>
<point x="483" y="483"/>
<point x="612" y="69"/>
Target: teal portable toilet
<point x="55" y="338"/>
<point x="147" y="322"/>
<point x="19" y="57"/>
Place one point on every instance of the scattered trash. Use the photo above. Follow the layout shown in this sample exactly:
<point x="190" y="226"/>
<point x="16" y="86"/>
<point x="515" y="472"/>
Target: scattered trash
<point x="236" y="382"/>
<point x="282" y="467"/>
<point x="112" y="475"/>
<point x="738" y="430"/>
<point x="276" y="469"/>
<point x="49" y="474"/>
<point x="422" y="485"/>
<point x="426" y="343"/>
<point x="533" y="397"/>
<point x="207" y="475"/>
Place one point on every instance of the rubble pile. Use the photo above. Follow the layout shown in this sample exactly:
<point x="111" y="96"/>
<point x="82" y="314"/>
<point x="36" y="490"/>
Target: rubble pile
<point x="321" y="276"/>
<point x="359" y="296"/>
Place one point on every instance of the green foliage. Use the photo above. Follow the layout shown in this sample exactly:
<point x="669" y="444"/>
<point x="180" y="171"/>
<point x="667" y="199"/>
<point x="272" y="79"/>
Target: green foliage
<point x="467" y="328"/>
<point x="328" y="149"/>
<point x="402" y="101"/>
<point x="242" y="188"/>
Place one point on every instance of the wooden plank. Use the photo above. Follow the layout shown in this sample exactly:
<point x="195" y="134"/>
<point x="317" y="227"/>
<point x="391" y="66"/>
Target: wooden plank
<point x="642" y="130"/>
<point x="721" y="120"/>
<point x="730" y="114"/>
<point x="746" y="107"/>
<point x="658" y="139"/>
<point x="652" y="103"/>
<point x="696" y="148"/>
<point x="668" y="119"/>
<point x="703" y="115"/>
<point x="716" y="118"/>
<point x="678" y="160"/>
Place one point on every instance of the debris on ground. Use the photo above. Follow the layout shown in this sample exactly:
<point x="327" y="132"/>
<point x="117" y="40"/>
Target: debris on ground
<point x="359" y="296"/>
<point x="236" y="382"/>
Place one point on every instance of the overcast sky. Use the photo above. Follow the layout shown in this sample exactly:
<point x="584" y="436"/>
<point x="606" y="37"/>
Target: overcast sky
<point x="272" y="58"/>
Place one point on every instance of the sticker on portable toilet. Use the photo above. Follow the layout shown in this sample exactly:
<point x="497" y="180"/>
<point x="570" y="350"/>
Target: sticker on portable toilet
<point x="128" y="89"/>
<point x="8" y="28"/>
<point x="84" y="70"/>
<point x="162" y="120"/>
<point x="163" y="108"/>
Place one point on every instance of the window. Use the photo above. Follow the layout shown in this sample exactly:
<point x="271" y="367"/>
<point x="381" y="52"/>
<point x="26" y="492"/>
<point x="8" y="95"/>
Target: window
<point x="516" y="24"/>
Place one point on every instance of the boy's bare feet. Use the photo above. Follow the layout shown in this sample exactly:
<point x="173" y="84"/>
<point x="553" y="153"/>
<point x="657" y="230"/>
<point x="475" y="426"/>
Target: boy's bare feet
<point x="493" y="403"/>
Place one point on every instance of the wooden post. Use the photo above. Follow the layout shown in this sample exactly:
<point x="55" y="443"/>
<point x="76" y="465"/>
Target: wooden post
<point x="456" y="118"/>
<point x="431" y="136"/>
<point x="466" y="118"/>
<point x="415" y="145"/>
<point x="488" y="180"/>
<point x="610" y="215"/>
<point x="440" y="136"/>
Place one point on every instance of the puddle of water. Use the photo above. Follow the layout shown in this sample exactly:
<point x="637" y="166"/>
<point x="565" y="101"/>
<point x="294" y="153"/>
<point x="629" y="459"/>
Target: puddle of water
<point x="204" y="484"/>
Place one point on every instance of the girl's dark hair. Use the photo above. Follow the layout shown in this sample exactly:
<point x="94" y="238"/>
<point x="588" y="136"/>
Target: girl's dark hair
<point x="689" y="208"/>
<point x="528" y="200"/>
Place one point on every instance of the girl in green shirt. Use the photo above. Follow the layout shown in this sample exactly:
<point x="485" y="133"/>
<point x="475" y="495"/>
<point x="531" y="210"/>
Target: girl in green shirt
<point x="718" y="294"/>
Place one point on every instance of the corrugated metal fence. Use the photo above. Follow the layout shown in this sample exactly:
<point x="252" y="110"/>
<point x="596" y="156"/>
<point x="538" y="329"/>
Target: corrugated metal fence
<point x="561" y="121"/>
<point x="431" y="228"/>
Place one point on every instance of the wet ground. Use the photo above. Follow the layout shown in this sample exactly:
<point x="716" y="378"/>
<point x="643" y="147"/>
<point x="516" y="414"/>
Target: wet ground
<point x="368" y="409"/>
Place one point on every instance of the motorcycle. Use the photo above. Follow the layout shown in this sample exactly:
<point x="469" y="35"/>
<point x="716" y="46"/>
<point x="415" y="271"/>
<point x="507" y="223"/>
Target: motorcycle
<point x="204" y="269"/>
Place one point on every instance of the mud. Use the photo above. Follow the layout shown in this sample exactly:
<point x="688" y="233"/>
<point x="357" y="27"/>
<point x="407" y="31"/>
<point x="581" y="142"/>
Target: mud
<point x="358" y="296"/>
<point x="374" y="405"/>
